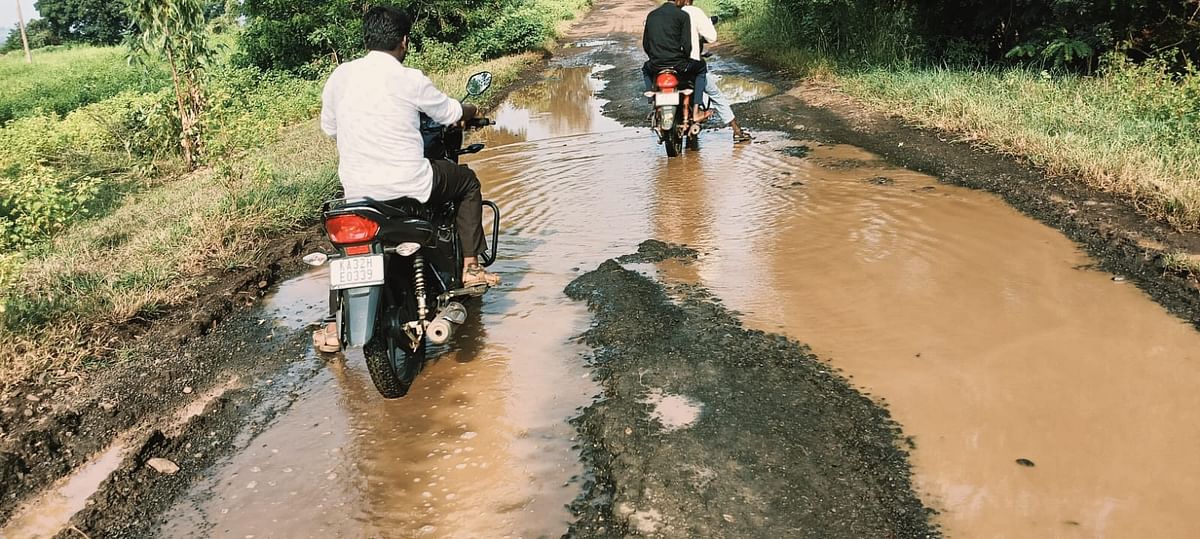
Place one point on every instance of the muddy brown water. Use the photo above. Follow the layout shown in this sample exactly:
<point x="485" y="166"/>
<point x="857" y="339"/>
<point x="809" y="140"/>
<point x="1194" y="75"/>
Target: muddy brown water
<point x="986" y="333"/>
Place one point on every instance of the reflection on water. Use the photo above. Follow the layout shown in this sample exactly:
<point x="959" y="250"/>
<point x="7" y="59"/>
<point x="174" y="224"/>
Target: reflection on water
<point x="563" y="103"/>
<point x="743" y="89"/>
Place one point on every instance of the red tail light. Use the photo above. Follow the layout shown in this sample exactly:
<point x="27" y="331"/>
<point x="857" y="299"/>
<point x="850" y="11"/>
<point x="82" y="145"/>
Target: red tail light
<point x="351" y="228"/>
<point x="667" y="82"/>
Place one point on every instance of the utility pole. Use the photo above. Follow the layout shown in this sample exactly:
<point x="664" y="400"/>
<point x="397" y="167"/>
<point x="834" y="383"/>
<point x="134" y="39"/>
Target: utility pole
<point x="24" y="38"/>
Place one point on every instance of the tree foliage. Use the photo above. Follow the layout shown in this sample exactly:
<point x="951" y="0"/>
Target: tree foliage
<point x="177" y="30"/>
<point x="1054" y="33"/>
<point x="289" y="34"/>
<point x="99" y="22"/>
<point x="39" y="33"/>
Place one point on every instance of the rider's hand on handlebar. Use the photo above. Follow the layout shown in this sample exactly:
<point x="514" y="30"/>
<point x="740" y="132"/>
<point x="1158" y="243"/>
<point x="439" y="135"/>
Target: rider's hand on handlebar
<point x="470" y="112"/>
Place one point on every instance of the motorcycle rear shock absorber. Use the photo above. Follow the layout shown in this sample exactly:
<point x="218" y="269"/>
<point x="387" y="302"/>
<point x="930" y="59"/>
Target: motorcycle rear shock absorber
<point x="419" y="288"/>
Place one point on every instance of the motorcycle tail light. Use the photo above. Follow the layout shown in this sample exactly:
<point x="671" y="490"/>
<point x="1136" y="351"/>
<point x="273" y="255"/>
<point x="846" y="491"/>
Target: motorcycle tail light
<point x="667" y="82"/>
<point x="351" y="228"/>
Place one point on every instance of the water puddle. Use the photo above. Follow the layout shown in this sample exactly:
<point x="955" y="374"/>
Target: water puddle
<point x="1044" y="399"/>
<point x="299" y="302"/>
<point x="673" y="412"/>
<point x="744" y="89"/>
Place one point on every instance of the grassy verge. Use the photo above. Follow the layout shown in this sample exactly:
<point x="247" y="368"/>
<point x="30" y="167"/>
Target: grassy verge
<point x="60" y="81"/>
<point x="1131" y="129"/>
<point x="159" y="248"/>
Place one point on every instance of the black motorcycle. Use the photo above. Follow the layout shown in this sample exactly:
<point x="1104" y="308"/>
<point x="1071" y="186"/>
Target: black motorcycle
<point x="397" y="267"/>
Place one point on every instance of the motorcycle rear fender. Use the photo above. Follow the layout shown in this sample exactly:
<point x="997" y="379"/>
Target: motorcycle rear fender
<point x="360" y="309"/>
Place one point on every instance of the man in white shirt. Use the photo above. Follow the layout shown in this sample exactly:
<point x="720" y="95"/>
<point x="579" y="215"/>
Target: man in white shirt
<point x="372" y="106"/>
<point x="703" y="31"/>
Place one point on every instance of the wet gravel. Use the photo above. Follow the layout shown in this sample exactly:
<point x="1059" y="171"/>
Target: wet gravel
<point x="782" y="445"/>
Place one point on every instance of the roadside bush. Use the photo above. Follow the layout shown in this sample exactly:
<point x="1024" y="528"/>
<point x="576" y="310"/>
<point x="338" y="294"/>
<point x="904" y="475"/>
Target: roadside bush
<point x="290" y="35"/>
<point x="517" y="28"/>
<point x="54" y="170"/>
<point x="1131" y="130"/>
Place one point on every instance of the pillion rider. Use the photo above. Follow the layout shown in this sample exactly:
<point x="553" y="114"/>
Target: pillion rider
<point x="372" y="106"/>
<point x="667" y="40"/>
<point x="704" y="32"/>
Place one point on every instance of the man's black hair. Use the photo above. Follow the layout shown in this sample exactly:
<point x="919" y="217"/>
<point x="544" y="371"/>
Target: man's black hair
<point x="384" y="27"/>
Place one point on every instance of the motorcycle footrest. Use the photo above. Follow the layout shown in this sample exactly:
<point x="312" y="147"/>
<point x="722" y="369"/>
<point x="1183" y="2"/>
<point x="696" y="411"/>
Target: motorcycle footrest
<point x="473" y="291"/>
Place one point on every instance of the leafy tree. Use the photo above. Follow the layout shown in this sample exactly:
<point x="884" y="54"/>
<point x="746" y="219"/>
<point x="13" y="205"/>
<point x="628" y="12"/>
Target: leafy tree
<point x="288" y="34"/>
<point x="177" y="30"/>
<point x="99" y="22"/>
<point x="39" y="34"/>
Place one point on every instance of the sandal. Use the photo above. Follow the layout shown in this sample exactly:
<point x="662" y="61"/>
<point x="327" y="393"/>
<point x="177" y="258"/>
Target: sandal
<point x="476" y="276"/>
<point x="326" y="341"/>
<point x="744" y="136"/>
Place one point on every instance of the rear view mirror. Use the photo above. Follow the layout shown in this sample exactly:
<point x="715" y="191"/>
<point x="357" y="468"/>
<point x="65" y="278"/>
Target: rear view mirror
<point x="479" y="83"/>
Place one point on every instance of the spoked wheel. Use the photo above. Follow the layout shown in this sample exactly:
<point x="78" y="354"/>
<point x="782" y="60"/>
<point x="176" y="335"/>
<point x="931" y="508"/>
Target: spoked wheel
<point x="390" y="360"/>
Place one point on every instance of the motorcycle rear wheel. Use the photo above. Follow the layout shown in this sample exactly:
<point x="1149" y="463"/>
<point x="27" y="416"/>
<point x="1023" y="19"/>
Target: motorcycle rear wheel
<point x="392" y="364"/>
<point x="673" y="142"/>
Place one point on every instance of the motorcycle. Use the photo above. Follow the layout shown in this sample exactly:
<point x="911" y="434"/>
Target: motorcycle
<point x="396" y="269"/>
<point x="671" y="122"/>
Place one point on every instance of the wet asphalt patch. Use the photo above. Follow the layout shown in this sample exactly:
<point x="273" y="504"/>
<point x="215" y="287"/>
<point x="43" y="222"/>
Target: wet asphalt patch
<point x="772" y="442"/>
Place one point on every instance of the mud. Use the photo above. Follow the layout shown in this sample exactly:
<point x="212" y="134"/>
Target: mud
<point x="79" y="414"/>
<point x="772" y="443"/>
<point x="657" y="251"/>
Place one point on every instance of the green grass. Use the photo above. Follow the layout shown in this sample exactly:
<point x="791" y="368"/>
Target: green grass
<point x="61" y="80"/>
<point x="1133" y="130"/>
<point x="66" y="298"/>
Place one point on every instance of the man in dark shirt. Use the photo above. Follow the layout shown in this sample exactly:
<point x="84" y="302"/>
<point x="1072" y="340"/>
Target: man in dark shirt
<point x="667" y="40"/>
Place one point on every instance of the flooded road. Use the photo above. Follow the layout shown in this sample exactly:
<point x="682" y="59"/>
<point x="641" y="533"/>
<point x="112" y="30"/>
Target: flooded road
<point x="986" y="333"/>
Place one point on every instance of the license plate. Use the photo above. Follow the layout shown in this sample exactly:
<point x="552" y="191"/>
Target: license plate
<point x="662" y="99"/>
<point x="356" y="271"/>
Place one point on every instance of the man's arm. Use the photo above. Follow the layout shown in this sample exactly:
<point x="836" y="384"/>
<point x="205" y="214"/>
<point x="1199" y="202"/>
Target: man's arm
<point x="439" y="106"/>
<point x="328" y="109"/>
<point x="703" y="24"/>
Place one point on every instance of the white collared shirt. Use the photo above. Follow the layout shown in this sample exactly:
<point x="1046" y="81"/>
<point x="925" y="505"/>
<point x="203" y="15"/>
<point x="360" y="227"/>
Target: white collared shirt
<point x="372" y="107"/>
<point x="702" y="27"/>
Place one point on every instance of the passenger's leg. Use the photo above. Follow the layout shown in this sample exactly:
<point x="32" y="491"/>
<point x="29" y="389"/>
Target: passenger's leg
<point x="698" y="71"/>
<point x="718" y="101"/>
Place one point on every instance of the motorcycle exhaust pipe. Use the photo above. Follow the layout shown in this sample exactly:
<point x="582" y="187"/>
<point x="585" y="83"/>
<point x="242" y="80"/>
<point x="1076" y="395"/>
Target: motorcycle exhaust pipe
<point x="441" y="329"/>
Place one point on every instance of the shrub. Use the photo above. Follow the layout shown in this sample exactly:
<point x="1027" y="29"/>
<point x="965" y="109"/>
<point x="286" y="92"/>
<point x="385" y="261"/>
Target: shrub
<point x="53" y="170"/>
<point x="518" y="28"/>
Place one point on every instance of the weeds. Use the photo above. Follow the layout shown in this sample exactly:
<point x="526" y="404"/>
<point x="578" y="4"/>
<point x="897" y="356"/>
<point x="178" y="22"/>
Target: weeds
<point x="1132" y="130"/>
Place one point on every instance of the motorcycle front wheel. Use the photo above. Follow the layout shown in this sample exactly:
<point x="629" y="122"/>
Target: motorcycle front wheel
<point x="392" y="363"/>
